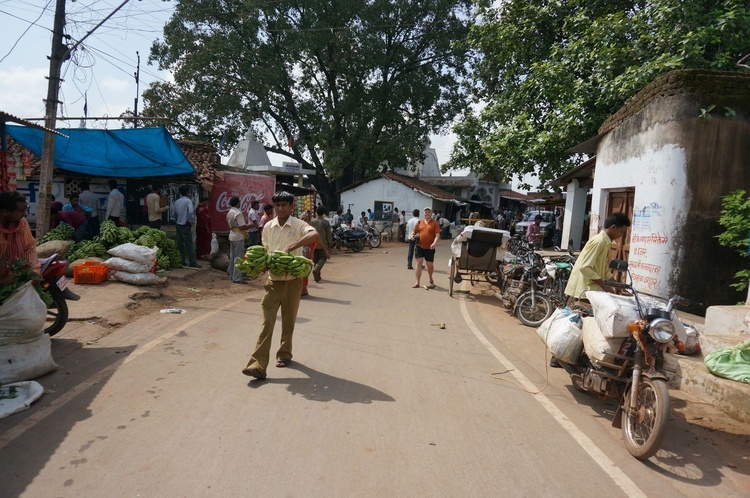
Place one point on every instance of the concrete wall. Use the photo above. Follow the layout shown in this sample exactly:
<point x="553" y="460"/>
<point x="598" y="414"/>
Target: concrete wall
<point x="404" y="198"/>
<point x="680" y="165"/>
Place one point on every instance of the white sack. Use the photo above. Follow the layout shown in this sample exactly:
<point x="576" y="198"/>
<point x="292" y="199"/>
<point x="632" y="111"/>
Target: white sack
<point x="561" y="333"/>
<point x="26" y="393"/>
<point x="214" y="245"/>
<point x="147" y="278"/>
<point x="134" y="252"/>
<point x="595" y="343"/>
<point x="22" y="315"/>
<point x="127" y="265"/>
<point x="26" y="361"/>
<point x="613" y="312"/>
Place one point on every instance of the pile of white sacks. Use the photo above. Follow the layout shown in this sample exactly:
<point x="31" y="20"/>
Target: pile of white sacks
<point x="133" y="264"/>
<point x="25" y="349"/>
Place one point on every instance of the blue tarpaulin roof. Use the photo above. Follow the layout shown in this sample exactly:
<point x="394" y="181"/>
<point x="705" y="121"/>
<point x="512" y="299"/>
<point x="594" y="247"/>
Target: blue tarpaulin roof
<point x="132" y="153"/>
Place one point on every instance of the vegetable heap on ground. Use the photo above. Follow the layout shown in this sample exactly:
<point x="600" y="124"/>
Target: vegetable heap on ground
<point x="110" y="235"/>
<point x="279" y="263"/>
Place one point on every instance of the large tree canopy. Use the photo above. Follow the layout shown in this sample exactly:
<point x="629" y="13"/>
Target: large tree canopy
<point x="550" y="72"/>
<point x="340" y="86"/>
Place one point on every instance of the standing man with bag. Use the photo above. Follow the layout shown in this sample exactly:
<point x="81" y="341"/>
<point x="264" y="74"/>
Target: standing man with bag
<point x="185" y="215"/>
<point x="289" y="234"/>
<point x="427" y="233"/>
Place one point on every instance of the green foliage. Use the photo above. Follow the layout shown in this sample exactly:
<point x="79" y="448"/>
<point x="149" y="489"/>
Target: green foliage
<point x="550" y="72"/>
<point x="342" y="87"/>
<point x="735" y="218"/>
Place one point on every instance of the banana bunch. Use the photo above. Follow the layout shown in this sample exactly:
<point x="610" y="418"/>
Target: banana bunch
<point x="63" y="231"/>
<point x="108" y="233"/>
<point x="285" y="263"/>
<point x="255" y="261"/>
<point x="123" y="235"/>
<point x="86" y="249"/>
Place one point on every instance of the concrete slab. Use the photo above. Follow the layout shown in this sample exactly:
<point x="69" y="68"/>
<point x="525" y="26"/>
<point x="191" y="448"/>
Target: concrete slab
<point x="689" y="373"/>
<point x="727" y="320"/>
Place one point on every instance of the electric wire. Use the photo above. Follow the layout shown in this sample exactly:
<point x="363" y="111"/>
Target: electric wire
<point x="31" y="24"/>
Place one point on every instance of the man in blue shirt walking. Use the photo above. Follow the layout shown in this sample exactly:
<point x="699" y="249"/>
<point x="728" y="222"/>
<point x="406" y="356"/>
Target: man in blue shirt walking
<point x="185" y="214"/>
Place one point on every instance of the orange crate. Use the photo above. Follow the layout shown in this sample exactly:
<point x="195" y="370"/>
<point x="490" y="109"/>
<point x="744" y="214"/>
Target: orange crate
<point x="90" y="272"/>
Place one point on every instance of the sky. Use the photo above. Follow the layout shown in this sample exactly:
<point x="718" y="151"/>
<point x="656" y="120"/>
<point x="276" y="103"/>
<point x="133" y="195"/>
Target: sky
<point x="104" y="76"/>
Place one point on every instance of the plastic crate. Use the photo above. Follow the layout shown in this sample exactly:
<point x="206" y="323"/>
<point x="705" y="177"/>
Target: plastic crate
<point x="90" y="272"/>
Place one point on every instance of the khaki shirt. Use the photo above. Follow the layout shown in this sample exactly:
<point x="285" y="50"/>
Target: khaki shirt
<point x="276" y="237"/>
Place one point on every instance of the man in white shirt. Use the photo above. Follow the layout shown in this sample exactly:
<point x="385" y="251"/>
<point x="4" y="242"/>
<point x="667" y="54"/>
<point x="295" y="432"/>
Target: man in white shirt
<point x="115" y="202"/>
<point x="253" y="222"/>
<point x="289" y="234"/>
<point x="237" y="235"/>
<point x="409" y="231"/>
<point x="90" y="199"/>
<point x="185" y="216"/>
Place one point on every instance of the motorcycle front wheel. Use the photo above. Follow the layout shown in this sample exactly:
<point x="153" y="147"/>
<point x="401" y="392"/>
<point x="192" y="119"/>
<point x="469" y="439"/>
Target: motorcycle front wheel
<point x="532" y="312"/>
<point x="644" y="428"/>
<point x="57" y="314"/>
<point x="374" y="241"/>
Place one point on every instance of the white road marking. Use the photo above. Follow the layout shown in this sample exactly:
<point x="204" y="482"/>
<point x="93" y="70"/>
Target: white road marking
<point x="607" y="465"/>
<point x="32" y="420"/>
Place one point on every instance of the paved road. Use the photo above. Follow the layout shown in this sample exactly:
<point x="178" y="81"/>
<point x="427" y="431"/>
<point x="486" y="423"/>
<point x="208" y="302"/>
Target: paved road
<point x="379" y="401"/>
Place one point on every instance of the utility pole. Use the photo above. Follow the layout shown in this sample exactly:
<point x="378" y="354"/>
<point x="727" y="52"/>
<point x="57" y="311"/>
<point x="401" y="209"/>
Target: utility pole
<point x="137" y="88"/>
<point x="57" y="56"/>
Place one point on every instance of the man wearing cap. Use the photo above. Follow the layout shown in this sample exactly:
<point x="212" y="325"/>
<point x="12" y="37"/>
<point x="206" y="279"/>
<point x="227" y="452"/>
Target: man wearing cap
<point x="426" y="235"/>
<point x="289" y="234"/>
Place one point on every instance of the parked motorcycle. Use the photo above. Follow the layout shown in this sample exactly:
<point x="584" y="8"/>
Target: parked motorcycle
<point x="344" y="236"/>
<point x="54" y="281"/>
<point x="373" y="237"/>
<point x="634" y="374"/>
<point x="520" y="289"/>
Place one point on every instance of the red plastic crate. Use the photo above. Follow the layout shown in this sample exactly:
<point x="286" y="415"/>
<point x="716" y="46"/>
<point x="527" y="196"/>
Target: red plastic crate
<point x="90" y="272"/>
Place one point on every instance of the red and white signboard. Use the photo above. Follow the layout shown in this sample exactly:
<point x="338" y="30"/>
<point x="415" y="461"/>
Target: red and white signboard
<point x="247" y="187"/>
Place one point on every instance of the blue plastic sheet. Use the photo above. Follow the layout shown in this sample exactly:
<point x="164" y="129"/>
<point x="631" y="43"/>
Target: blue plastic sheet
<point x="132" y="153"/>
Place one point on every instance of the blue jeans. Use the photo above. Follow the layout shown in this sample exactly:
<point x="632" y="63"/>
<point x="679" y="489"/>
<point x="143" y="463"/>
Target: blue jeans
<point x="410" y="254"/>
<point x="185" y="244"/>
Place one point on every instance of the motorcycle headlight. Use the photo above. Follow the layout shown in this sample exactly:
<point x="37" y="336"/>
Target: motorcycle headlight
<point x="661" y="330"/>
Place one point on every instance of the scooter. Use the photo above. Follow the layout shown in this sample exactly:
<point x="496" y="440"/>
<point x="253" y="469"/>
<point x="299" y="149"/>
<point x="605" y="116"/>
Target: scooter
<point x="633" y="373"/>
<point x="372" y="236"/>
<point x="54" y="281"/>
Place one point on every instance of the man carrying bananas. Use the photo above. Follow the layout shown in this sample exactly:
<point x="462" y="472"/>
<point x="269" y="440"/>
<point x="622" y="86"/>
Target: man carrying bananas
<point x="289" y="234"/>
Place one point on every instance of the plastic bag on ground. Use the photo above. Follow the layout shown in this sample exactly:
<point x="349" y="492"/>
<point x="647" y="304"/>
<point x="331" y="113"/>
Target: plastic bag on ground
<point x="134" y="252"/>
<point x="127" y="265"/>
<point x="732" y="363"/>
<point x="26" y="361"/>
<point x="25" y="393"/>
<point x="137" y="278"/>
<point x="214" y="245"/>
<point x="22" y="316"/>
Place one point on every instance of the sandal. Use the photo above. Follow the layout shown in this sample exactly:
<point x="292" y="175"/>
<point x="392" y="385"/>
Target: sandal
<point x="415" y="286"/>
<point x="282" y="363"/>
<point x="431" y="286"/>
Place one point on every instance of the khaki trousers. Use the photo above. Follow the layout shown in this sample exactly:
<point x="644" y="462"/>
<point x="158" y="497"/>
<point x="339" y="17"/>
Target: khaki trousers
<point x="284" y="294"/>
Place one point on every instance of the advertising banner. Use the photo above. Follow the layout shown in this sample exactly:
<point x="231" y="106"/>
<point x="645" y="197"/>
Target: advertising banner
<point x="247" y="187"/>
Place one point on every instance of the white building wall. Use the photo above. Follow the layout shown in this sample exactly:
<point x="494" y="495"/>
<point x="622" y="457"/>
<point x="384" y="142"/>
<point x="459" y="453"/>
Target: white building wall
<point x="661" y="201"/>
<point x="363" y="197"/>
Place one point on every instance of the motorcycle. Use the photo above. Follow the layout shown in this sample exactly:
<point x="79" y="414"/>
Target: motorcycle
<point x="520" y="289"/>
<point x="373" y="237"/>
<point x="634" y="374"/>
<point x="344" y="236"/>
<point x="54" y="281"/>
